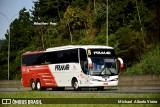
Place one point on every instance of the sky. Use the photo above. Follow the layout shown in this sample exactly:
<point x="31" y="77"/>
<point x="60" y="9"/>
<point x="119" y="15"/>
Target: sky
<point x="11" y="8"/>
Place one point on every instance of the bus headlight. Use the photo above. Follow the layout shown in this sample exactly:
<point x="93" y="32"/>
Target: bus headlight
<point x="116" y="79"/>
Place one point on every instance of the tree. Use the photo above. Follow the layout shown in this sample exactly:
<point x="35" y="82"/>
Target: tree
<point x="128" y="45"/>
<point x="75" y="19"/>
<point x="21" y="33"/>
<point x="133" y="28"/>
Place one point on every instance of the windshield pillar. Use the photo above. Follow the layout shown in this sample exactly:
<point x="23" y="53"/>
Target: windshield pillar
<point x="83" y="61"/>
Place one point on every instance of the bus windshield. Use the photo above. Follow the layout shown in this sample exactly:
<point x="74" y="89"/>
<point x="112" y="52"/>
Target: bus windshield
<point x="103" y="66"/>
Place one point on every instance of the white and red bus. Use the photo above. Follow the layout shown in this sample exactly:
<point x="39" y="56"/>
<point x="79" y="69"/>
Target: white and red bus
<point x="70" y="66"/>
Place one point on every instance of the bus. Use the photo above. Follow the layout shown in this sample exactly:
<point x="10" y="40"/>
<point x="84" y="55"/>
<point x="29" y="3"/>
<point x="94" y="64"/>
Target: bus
<point x="71" y="66"/>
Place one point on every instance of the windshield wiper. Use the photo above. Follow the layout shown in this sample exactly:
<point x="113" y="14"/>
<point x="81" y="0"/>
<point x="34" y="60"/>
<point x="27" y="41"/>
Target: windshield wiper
<point x="110" y="71"/>
<point x="105" y="70"/>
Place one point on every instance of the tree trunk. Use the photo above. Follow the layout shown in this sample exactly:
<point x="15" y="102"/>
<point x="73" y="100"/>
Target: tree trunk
<point x="140" y="24"/>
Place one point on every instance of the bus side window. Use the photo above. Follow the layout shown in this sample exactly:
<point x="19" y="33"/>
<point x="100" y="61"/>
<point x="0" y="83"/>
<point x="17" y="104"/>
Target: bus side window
<point x="24" y="60"/>
<point x="51" y="57"/>
<point x="74" y="56"/>
<point x="83" y="61"/>
<point x="37" y="59"/>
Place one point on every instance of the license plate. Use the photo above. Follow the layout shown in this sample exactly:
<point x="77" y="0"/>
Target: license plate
<point x="105" y="84"/>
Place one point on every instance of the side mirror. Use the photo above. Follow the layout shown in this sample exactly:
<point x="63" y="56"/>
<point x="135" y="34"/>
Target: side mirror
<point x="90" y="63"/>
<point x="121" y="63"/>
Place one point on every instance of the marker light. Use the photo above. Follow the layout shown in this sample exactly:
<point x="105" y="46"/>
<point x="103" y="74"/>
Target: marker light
<point x="121" y="62"/>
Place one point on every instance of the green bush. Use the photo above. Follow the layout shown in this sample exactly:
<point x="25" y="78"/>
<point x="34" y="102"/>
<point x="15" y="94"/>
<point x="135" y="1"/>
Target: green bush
<point x="150" y="63"/>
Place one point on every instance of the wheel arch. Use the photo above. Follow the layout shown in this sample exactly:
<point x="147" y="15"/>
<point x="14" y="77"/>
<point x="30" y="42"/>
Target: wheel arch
<point x="37" y="79"/>
<point x="74" y="78"/>
<point x="32" y="79"/>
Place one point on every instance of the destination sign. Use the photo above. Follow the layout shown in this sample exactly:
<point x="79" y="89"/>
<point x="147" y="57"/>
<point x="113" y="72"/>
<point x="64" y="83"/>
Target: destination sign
<point x="101" y="53"/>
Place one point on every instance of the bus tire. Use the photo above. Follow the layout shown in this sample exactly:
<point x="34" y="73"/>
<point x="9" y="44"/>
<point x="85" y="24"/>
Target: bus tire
<point x="75" y="84"/>
<point x="32" y="85"/>
<point x="39" y="87"/>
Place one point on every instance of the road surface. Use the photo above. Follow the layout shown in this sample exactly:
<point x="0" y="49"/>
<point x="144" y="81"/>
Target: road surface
<point x="116" y="90"/>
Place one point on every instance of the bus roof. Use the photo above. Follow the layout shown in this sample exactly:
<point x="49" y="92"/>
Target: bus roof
<point x="79" y="46"/>
<point x="35" y="52"/>
<point x="70" y="47"/>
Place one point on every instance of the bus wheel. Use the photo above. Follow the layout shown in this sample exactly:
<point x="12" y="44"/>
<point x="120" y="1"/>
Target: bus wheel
<point x="75" y="84"/>
<point x="38" y="86"/>
<point x="32" y="84"/>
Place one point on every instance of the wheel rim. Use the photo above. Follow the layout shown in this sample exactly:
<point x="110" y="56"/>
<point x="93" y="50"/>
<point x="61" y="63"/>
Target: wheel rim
<point x="38" y="85"/>
<point x="76" y="85"/>
<point x="33" y="85"/>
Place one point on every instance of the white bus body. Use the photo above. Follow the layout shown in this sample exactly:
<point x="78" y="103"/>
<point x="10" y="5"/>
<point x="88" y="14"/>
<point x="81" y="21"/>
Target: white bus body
<point x="75" y="66"/>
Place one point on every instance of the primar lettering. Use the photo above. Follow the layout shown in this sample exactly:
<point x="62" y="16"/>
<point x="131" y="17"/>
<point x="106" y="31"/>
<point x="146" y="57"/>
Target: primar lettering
<point x="61" y="67"/>
<point x="102" y="52"/>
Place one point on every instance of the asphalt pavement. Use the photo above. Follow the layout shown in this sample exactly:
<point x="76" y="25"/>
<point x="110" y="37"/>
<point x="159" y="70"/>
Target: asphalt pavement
<point x="119" y="90"/>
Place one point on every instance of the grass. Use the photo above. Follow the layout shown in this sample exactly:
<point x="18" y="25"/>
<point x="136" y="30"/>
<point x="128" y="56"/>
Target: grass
<point x="41" y="94"/>
<point x="35" y="94"/>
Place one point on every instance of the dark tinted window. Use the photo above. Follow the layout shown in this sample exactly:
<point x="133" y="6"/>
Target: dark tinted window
<point x="65" y="56"/>
<point x="33" y="59"/>
<point x="83" y="55"/>
<point x="83" y="61"/>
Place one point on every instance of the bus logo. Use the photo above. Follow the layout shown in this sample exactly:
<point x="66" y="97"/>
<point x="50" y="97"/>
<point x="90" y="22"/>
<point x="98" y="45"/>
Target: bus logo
<point x="89" y="52"/>
<point x="61" y="67"/>
<point x="102" y="53"/>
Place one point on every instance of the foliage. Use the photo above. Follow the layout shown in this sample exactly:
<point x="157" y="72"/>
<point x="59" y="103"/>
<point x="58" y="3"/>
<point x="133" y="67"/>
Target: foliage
<point x="150" y="63"/>
<point x="1" y="42"/>
<point x="128" y="44"/>
<point x="134" y="29"/>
